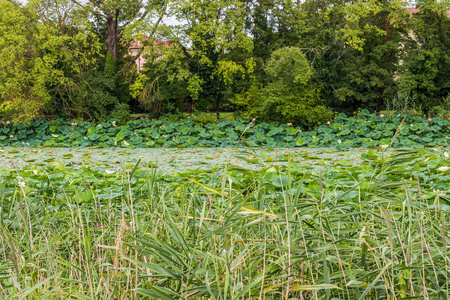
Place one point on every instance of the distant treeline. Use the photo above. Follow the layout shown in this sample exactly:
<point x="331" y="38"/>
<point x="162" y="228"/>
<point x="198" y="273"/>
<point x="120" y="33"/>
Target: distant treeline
<point x="287" y="61"/>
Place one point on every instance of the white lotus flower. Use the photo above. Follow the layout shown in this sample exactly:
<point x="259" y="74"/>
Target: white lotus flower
<point x="443" y="169"/>
<point x="271" y="170"/>
<point x="446" y="154"/>
<point x="21" y="183"/>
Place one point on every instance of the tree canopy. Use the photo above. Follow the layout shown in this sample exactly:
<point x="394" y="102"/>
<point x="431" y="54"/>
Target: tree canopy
<point x="285" y="61"/>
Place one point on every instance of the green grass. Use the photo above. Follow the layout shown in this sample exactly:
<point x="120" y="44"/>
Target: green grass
<point x="222" y="115"/>
<point x="374" y="231"/>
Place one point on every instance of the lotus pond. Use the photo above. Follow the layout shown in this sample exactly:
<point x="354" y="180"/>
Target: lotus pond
<point x="363" y="130"/>
<point x="282" y="224"/>
<point x="170" y="160"/>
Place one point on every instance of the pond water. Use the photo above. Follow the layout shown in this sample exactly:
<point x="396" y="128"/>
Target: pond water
<point x="173" y="160"/>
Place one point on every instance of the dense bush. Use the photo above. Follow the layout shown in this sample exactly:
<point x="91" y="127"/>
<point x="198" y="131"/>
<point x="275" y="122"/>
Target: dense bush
<point x="288" y="95"/>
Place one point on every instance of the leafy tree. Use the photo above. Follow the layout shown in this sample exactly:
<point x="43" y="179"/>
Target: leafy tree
<point x="90" y="90"/>
<point x="33" y="54"/>
<point x="288" y="96"/>
<point x="123" y="19"/>
<point x="354" y="47"/>
<point x="164" y="91"/>
<point x="214" y="29"/>
<point x="117" y="23"/>
<point x="366" y="76"/>
<point x="426" y="68"/>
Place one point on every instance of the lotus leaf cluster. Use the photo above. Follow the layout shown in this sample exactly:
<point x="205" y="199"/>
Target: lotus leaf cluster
<point x="363" y="130"/>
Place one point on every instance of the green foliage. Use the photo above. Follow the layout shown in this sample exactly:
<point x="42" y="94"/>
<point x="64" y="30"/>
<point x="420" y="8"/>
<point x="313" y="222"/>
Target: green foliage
<point x="342" y="229"/>
<point x="31" y="56"/>
<point x="405" y="104"/>
<point x="288" y="96"/>
<point x="223" y="56"/>
<point x="364" y="76"/>
<point x="443" y="110"/>
<point x="365" y="130"/>
<point x="95" y="98"/>
<point x="161" y="89"/>
<point x="215" y="30"/>
<point x="110" y="66"/>
<point x="354" y="47"/>
<point x="121" y="113"/>
<point x="426" y="68"/>
<point x="204" y="118"/>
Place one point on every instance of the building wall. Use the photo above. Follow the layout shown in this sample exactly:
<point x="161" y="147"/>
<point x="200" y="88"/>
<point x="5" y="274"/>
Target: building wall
<point x="137" y="45"/>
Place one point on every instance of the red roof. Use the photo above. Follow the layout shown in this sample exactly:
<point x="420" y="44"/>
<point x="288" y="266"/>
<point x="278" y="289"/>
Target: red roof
<point x="415" y="10"/>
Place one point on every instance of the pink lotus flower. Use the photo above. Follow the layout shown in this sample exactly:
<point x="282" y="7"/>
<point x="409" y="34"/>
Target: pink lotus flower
<point x="411" y="125"/>
<point x="439" y="192"/>
<point x="73" y="124"/>
<point x="253" y="120"/>
<point x="8" y="122"/>
<point x="289" y="124"/>
<point x="100" y="225"/>
<point x="381" y="116"/>
<point x="429" y="119"/>
<point x="328" y="122"/>
<point x="419" y="137"/>
<point x="11" y="136"/>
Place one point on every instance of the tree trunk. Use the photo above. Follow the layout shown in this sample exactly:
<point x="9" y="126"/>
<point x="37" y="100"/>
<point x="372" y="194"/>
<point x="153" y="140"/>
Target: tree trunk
<point x="112" y="34"/>
<point x="379" y="101"/>
<point x="218" y="107"/>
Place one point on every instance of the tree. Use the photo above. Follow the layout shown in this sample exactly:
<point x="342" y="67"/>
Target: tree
<point x="124" y="19"/>
<point x="165" y="91"/>
<point x="426" y="68"/>
<point x="366" y="75"/>
<point x="353" y="47"/>
<point x="33" y="54"/>
<point x="215" y="29"/>
<point x="288" y="96"/>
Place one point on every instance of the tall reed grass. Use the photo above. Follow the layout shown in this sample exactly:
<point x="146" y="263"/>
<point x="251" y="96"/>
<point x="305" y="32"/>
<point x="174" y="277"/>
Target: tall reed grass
<point x="293" y="232"/>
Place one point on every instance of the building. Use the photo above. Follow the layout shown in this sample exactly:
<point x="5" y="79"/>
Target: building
<point x="136" y="46"/>
<point x="413" y="10"/>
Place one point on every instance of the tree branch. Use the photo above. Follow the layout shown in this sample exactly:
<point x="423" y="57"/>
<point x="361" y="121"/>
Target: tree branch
<point x="134" y="15"/>
<point x="92" y="10"/>
<point x="150" y="38"/>
<point x="96" y="4"/>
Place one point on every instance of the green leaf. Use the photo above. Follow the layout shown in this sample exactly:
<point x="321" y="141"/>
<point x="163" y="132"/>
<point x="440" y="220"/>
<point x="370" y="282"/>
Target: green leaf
<point x="57" y="165"/>
<point x="300" y="142"/>
<point x="314" y="287"/>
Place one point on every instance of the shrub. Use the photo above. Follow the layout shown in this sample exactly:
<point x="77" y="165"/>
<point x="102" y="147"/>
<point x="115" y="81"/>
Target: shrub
<point x="288" y="97"/>
<point x="204" y="118"/>
<point x="121" y="112"/>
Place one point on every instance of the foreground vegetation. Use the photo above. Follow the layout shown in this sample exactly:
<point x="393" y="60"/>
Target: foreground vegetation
<point x="373" y="231"/>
